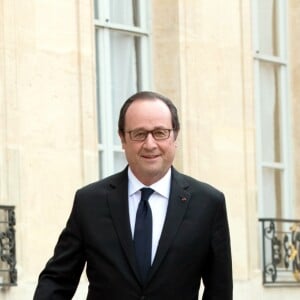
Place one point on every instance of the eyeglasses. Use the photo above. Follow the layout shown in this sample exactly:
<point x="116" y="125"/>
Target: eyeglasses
<point x="158" y="134"/>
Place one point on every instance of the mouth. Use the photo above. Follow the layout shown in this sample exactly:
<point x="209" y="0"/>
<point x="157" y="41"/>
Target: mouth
<point x="150" y="157"/>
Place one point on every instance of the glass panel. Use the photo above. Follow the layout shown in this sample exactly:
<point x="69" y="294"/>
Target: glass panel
<point x="123" y="73"/>
<point x="120" y="161"/>
<point x="268" y="27"/>
<point x="272" y="193"/>
<point x="96" y="9"/>
<point x="270" y="113"/>
<point x="100" y="159"/>
<point x="97" y="37"/>
<point x="124" y="12"/>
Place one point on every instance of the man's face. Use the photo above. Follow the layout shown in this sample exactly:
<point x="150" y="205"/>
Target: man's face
<point x="150" y="159"/>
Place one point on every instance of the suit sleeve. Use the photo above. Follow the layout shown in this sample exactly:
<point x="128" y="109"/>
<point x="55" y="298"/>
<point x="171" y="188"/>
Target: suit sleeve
<point x="60" y="277"/>
<point x="217" y="277"/>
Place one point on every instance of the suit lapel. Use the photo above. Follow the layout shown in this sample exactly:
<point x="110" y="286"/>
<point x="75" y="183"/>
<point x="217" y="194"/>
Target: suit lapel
<point x="118" y="204"/>
<point x="178" y="203"/>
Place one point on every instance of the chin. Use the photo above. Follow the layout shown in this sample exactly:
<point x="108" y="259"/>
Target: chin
<point x="155" y="172"/>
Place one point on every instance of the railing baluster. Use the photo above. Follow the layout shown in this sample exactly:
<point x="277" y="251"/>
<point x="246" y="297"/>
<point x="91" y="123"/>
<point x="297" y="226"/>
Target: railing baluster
<point x="8" y="272"/>
<point x="281" y="251"/>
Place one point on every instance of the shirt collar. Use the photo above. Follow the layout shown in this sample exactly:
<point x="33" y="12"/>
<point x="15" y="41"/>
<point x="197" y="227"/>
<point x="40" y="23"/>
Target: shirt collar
<point x="162" y="186"/>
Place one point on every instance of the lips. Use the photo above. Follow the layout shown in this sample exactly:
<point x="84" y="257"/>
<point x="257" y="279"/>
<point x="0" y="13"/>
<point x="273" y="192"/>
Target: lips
<point x="150" y="156"/>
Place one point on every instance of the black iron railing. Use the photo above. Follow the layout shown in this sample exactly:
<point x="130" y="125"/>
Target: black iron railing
<point x="281" y="251"/>
<point x="8" y="273"/>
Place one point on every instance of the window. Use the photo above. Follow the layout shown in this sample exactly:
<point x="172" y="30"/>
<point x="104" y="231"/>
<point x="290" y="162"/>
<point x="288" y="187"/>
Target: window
<point x="272" y="108"/>
<point x="122" y="55"/>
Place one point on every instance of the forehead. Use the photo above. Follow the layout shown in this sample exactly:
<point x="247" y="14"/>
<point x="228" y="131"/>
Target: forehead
<point x="148" y="113"/>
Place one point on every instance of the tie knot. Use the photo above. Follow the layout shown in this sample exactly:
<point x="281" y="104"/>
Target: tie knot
<point x="146" y="193"/>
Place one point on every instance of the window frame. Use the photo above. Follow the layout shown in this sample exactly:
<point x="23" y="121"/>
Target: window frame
<point x="284" y="166"/>
<point x="107" y="147"/>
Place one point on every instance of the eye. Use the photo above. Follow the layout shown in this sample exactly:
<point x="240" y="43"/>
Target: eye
<point x="139" y="135"/>
<point x="160" y="133"/>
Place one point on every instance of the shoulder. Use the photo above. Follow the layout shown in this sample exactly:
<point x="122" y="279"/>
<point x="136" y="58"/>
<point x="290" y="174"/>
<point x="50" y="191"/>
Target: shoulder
<point x="197" y="187"/>
<point x="105" y="184"/>
<point x="94" y="196"/>
<point x="204" y="200"/>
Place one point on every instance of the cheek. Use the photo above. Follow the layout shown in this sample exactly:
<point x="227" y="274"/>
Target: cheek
<point x="173" y="144"/>
<point x="170" y="149"/>
<point x="130" y="148"/>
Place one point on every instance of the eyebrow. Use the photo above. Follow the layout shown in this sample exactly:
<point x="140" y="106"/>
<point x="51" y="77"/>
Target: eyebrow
<point x="144" y="129"/>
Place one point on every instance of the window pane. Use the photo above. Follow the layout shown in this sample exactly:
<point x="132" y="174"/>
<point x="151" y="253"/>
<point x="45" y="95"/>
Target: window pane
<point x="268" y="31"/>
<point x="270" y="113"/>
<point x="272" y="193"/>
<point x="120" y="161"/>
<point x="99" y="108"/>
<point x="124" y="12"/>
<point x="123" y="72"/>
<point x="96" y="9"/>
<point x="100" y="159"/>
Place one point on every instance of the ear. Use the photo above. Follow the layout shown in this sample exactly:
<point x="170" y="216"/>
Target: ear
<point x="122" y="138"/>
<point x="176" y="142"/>
<point x="176" y="135"/>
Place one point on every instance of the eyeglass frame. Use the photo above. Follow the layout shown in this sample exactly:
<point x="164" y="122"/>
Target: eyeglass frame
<point x="147" y="133"/>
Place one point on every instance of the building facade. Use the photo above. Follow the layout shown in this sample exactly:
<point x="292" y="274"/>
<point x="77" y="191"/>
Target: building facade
<point x="231" y="67"/>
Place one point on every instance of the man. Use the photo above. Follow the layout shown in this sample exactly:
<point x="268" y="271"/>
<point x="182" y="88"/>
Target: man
<point x="157" y="248"/>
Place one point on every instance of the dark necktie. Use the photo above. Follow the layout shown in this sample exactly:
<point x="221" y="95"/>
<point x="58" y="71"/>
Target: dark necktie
<point x="143" y="233"/>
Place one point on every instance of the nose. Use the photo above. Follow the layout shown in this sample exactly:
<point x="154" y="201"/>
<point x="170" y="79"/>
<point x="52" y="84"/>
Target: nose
<point x="150" y="142"/>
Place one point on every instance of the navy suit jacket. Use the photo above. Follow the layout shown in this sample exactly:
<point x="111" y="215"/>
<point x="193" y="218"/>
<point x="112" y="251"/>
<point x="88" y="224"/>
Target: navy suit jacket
<point x="194" y="245"/>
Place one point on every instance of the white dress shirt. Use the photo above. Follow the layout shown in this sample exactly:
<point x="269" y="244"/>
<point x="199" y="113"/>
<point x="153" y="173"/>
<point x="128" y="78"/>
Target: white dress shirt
<point x="158" y="202"/>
